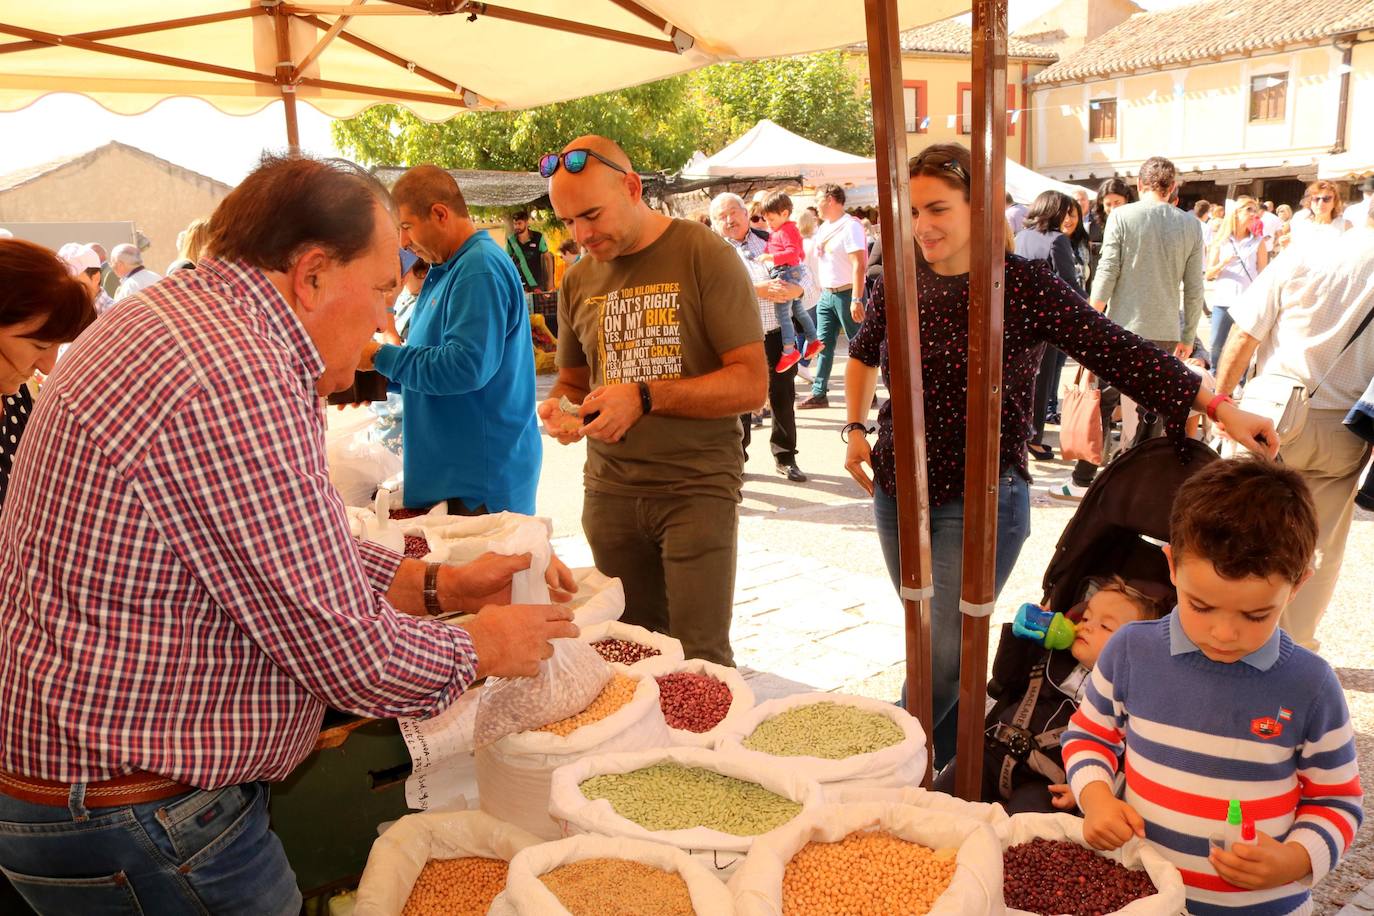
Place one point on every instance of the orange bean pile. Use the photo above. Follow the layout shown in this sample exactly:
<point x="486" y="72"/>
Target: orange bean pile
<point x="456" y="887"/>
<point x="618" y="691"/>
<point x="618" y="887"/>
<point x="865" y="874"/>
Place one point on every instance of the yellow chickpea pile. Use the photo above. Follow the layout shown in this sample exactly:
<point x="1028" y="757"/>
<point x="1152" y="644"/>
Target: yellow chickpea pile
<point x="865" y="874"/>
<point x="456" y="887"/>
<point x="618" y="887"/>
<point x="618" y="691"/>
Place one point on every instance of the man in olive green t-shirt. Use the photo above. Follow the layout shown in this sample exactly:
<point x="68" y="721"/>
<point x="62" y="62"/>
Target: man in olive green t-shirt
<point x="659" y="339"/>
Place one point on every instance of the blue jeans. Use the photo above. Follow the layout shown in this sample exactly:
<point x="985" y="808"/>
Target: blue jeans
<point x="1221" y="327"/>
<point x="832" y="314"/>
<point x="787" y="312"/>
<point x="202" y="852"/>
<point x="947" y="561"/>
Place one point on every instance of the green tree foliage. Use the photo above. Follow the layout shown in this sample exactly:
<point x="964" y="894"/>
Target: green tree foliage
<point x="658" y="124"/>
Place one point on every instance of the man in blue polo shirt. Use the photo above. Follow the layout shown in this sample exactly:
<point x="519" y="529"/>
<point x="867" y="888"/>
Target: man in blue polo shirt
<point x="466" y="371"/>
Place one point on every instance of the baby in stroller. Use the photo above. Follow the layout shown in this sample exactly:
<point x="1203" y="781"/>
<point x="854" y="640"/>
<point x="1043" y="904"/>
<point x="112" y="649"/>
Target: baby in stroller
<point x="1108" y="569"/>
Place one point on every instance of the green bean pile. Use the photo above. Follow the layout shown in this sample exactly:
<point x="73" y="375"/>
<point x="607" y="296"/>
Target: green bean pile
<point x="670" y="796"/>
<point x="830" y="730"/>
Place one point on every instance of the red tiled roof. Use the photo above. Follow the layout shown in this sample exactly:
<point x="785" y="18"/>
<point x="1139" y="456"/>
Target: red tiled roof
<point x="950" y="36"/>
<point x="1182" y="35"/>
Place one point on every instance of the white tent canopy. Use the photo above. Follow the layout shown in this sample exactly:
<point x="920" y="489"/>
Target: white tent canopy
<point x="767" y="149"/>
<point x="1022" y="184"/>
<point x="437" y="57"/>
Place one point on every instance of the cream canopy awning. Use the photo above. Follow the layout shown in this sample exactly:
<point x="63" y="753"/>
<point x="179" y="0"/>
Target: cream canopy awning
<point x="437" y="57"/>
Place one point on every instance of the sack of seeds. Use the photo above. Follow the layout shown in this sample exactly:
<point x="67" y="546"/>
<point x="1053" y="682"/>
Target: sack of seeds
<point x="400" y="855"/>
<point x="599" y="598"/>
<point x="1021" y="830"/>
<point x="460" y="539"/>
<point x="610" y="877"/>
<point x="626" y="644"/>
<point x="872" y="858"/>
<point x="711" y="806"/>
<point x="701" y="700"/>
<point x="566" y="684"/>
<point x="833" y="738"/>
<point x="514" y="774"/>
<point x="842" y="794"/>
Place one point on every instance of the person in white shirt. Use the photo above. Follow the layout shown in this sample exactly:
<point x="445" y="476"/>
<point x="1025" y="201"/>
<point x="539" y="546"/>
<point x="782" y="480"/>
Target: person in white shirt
<point x="1322" y="217"/>
<point x="842" y="262"/>
<point x="1358" y="212"/>
<point x="1269" y="226"/>
<point x="127" y="264"/>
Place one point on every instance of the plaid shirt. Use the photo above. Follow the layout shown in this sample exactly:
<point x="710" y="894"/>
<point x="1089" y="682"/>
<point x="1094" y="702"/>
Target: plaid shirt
<point x="749" y="251"/>
<point x="180" y="591"/>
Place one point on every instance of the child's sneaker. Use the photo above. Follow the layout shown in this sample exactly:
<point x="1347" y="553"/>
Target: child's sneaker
<point x="788" y="360"/>
<point x="813" y="348"/>
<point x="1066" y="492"/>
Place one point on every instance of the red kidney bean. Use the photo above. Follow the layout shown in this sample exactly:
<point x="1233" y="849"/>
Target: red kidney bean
<point x="623" y="651"/>
<point x="1056" y="876"/>
<point x="401" y="512"/>
<point x="416" y="546"/>
<point x="693" y="702"/>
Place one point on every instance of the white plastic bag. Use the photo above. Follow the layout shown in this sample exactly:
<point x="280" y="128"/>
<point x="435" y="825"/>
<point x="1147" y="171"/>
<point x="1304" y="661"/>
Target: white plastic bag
<point x="900" y="764"/>
<point x="357" y="467"/>
<point x="721" y="851"/>
<point x="365" y="525"/>
<point x="1136" y="854"/>
<point x="975" y="888"/>
<point x="515" y="774"/>
<point x="741" y="697"/>
<point x="599" y="598"/>
<point x="667" y="646"/>
<point x="526" y="895"/>
<point x="566" y="684"/>
<point x="843" y="794"/>
<point x="399" y="855"/>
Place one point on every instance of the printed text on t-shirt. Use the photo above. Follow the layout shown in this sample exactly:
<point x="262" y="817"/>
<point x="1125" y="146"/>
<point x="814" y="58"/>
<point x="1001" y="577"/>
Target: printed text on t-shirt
<point x="641" y="337"/>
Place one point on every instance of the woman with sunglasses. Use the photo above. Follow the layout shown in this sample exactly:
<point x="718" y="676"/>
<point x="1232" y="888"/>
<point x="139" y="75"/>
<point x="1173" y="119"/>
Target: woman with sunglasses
<point x="1040" y="309"/>
<point x="1234" y="260"/>
<point x="1323" y="214"/>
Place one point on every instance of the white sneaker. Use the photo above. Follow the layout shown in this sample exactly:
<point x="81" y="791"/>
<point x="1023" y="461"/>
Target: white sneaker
<point x="1066" y="492"/>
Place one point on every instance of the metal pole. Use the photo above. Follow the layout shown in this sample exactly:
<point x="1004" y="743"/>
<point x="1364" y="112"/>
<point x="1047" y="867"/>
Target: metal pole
<point x="904" y="352"/>
<point x="982" y="463"/>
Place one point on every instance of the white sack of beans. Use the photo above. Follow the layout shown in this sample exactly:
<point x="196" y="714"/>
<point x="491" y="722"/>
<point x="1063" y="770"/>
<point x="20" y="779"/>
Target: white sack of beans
<point x="720" y="851"/>
<point x="526" y="895"/>
<point x="899" y="764"/>
<point x="364" y="525"/>
<point x="599" y="597"/>
<point x="741" y="696"/>
<point x="1136" y="854"/>
<point x="994" y="815"/>
<point x="459" y="539"/>
<point x="400" y="854"/>
<point x="515" y="774"/>
<point x="667" y="646"/>
<point x="975" y="888"/>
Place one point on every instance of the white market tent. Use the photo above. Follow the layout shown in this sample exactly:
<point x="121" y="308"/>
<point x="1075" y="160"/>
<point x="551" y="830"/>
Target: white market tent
<point x="1023" y="184"/>
<point x="769" y="149"/>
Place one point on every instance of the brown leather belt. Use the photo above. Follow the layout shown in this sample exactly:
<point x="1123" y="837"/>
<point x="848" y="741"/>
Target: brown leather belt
<point x="133" y="789"/>
<point x="837" y="289"/>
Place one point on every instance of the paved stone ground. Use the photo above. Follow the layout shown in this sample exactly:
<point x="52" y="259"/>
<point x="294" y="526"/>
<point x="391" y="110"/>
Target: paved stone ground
<point x="813" y="602"/>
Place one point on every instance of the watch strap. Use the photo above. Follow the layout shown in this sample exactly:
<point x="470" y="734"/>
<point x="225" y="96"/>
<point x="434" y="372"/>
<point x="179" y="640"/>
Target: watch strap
<point x="432" y="607"/>
<point x="646" y="401"/>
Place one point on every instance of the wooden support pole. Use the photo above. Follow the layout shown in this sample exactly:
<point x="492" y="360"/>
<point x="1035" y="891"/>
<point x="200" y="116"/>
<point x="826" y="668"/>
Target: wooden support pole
<point x="286" y="74"/>
<point x="982" y="462"/>
<point x="904" y="352"/>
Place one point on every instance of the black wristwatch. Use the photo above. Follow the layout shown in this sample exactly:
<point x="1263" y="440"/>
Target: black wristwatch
<point x="432" y="607"/>
<point x="646" y="401"/>
<point x="844" y="430"/>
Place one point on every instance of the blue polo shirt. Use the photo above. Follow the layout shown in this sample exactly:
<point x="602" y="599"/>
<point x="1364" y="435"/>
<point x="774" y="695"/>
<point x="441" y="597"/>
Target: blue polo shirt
<point x="466" y="373"/>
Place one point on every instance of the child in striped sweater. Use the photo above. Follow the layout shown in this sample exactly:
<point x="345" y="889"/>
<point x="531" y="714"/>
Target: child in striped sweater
<point x="1215" y="702"/>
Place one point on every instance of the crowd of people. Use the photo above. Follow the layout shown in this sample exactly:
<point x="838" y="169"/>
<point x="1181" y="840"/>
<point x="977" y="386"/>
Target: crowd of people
<point x="184" y="597"/>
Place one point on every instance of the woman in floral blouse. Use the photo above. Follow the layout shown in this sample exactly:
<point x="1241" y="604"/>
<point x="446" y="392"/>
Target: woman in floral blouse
<point x="1040" y="309"/>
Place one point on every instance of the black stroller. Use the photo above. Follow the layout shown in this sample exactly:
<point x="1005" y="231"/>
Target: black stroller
<point x="1119" y="528"/>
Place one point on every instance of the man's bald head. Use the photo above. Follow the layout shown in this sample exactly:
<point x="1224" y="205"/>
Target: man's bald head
<point x="420" y="188"/>
<point x="603" y="209"/>
<point x="604" y="147"/>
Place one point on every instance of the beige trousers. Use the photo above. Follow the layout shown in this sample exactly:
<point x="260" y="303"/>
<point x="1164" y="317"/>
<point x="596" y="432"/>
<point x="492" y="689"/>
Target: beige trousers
<point x="1330" y="458"/>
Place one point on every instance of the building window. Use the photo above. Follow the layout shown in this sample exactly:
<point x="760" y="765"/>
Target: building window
<point x="1268" y="96"/>
<point x="1102" y="120"/>
<point x="965" y="109"/>
<point x="915" y="103"/>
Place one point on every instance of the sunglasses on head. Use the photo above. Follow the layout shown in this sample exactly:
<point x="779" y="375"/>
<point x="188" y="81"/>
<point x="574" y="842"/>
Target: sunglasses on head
<point x="574" y="160"/>
<point x="952" y="166"/>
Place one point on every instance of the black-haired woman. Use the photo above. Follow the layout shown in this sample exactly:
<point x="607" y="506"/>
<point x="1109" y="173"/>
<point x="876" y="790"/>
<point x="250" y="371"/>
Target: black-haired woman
<point x="1040" y="308"/>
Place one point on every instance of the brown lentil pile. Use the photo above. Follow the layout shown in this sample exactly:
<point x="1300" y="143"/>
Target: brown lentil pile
<point x="618" y="887"/>
<point x="618" y="691"/>
<point x="1056" y="876"/>
<point x="416" y="546"/>
<point x="693" y="702"/>
<point x="456" y="887"/>
<point x="865" y="874"/>
<point x="624" y="652"/>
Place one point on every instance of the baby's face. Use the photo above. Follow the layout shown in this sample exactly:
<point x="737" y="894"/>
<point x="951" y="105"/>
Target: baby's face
<point x="1106" y="613"/>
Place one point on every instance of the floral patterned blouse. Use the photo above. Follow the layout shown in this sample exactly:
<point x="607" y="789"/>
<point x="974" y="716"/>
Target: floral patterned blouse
<point x="1040" y="308"/>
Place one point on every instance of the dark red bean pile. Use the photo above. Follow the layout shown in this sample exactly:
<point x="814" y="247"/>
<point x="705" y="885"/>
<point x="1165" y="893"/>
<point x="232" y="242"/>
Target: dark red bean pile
<point x="624" y="651"/>
<point x="407" y="513"/>
<point x="693" y="702"/>
<point x="1050" y="877"/>
<point x="416" y="546"/>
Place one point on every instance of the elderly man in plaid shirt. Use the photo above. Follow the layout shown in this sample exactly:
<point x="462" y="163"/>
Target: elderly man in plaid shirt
<point x="181" y="596"/>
